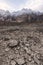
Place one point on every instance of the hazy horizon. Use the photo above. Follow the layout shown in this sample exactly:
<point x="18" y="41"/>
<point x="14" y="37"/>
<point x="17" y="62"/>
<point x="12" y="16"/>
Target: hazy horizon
<point x="15" y="5"/>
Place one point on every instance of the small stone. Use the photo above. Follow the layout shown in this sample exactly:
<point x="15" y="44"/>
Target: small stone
<point x="7" y="49"/>
<point x="6" y="38"/>
<point x="32" y="62"/>
<point x="41" y="58"/>
<point x="20" y="61"/>
<point x="30" y="59"/>
<point x="11" y="56"/>
<point x="32" y="55"/>
<point x="13" y="62"/>
<point x="27" y="50"/>
<point x="36" y="60"/>
<point x="1" y="61"/>
<point x="27" y="45"/>
<point x="38" y="56"/>
<point x="13" y="43"/>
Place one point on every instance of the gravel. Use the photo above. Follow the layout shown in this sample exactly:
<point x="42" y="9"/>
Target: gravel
<point x="21" y="47"/>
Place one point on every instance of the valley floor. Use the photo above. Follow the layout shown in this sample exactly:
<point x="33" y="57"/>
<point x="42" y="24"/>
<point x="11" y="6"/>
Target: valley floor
<point x="21" y="45"/>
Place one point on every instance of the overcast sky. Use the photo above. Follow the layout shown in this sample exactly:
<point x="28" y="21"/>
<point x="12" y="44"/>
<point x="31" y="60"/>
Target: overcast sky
<point x="13" y="5"/>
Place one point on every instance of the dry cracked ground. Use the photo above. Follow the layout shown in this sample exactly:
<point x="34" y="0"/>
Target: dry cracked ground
<point x="21" y="45"/>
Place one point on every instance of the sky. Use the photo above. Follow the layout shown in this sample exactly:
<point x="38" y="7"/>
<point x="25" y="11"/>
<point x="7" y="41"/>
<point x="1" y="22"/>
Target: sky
<point x="15" y="5"/>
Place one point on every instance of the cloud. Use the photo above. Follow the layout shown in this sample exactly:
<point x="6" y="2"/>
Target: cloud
<point x="19" y="4"/>
<point x="34" y="5"/>
<point x="4" y="6"/>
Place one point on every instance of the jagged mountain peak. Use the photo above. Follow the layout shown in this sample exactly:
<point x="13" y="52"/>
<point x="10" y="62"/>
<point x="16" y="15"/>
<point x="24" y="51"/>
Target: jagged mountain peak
<point x="23" y="11"/>
<point x="20" y="12"/>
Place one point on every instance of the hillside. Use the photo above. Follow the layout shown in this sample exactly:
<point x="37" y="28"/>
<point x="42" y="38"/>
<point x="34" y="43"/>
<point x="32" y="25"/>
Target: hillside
<point x="23" y="16"/>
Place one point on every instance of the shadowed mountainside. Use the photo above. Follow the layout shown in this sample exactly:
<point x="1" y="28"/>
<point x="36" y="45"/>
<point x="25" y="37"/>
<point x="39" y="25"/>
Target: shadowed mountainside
<point x="23" y="16"/>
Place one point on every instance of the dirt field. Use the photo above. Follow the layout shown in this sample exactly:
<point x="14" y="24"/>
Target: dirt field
<point x="21" y="45"/>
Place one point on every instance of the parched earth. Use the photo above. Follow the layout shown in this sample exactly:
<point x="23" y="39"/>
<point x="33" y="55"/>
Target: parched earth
<point x="21" y="45"/>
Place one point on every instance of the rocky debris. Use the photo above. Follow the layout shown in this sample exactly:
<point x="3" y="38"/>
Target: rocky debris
<point x="1" y="61"/>
<point x="38" y="55"/>
<point x="13" y="43"/>
<point x="6" y="39"/>
<point x="28" y="51"/>
<point x="30" y="59"/>
<point x="21" y="47"/>
<point x="13" y="62"/>
<point x="36" y="60"/>
<point x="7" y="49"/>
<point x="20" y="61"/>
<point x="41" y="58"/>
<point x="37" y="40"/>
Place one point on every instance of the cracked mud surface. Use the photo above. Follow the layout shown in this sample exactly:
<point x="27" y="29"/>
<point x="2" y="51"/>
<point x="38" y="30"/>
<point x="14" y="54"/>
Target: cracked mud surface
<point x="21" y="45"/>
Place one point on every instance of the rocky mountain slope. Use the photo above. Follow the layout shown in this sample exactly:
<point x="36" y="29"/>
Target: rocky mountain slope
<point x="24" y="15"/>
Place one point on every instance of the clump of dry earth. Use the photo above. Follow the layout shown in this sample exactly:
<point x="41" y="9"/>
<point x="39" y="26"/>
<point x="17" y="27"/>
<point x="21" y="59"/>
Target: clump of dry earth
<point x="22" y="45"/>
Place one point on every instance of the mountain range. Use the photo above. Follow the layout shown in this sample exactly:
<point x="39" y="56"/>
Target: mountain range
<point x="24" y="15"/>
<point x="20" y="12"/>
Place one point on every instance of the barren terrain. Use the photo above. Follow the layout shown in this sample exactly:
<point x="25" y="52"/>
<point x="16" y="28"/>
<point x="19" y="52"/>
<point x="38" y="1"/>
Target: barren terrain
<point x="22" y="44"/>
